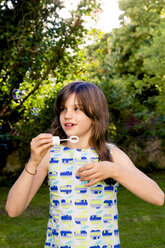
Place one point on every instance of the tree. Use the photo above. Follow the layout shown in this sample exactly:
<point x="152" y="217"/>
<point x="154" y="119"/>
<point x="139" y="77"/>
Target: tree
<point x="139" y="23"/>
<point x="126" y="65"/>
<point x="138" y="50"/>
<point x="37" y="47"/>
<point x="37" y="53"/>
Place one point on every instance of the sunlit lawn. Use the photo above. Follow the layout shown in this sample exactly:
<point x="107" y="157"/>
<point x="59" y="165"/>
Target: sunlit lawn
<point x="141" y="225"/>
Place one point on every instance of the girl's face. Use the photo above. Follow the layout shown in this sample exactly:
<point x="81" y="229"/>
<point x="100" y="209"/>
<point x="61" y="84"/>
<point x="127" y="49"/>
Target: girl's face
<point x="74" y="121"/>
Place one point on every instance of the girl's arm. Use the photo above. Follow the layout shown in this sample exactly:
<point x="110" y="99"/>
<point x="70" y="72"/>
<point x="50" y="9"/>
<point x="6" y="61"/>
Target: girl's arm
<point x="27" y="185"/>
<point x="134" y="180"/>
<point x="124" y="171"/>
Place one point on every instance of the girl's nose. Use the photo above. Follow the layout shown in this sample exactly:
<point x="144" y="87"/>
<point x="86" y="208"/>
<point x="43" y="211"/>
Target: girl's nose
<point x="68" y="114"/>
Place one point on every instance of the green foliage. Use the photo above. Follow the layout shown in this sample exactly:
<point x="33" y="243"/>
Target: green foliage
<point x="37" y="53"/>
<point x="33" y="125"/>
<point x="5" y="146"/>
<point x="37" y="45"/>
<point x="138" y="52"/>
<point x="140" y="21"/>
<point x="154" y="55"/>
<point x="128" y="64"/>
<point x="40" y="52"/>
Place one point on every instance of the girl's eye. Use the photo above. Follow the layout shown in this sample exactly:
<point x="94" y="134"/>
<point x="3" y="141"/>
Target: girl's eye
<point x="77" y="109"/>
<point x="61" y="109"/>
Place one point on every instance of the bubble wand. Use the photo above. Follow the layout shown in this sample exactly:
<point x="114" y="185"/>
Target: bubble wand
<point x="57" y="140"/>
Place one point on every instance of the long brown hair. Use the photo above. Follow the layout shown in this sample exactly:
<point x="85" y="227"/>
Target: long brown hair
<point x="95" y="106"/>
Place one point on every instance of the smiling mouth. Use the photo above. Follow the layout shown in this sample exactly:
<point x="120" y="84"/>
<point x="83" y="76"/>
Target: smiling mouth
<point x="70" y="124"/>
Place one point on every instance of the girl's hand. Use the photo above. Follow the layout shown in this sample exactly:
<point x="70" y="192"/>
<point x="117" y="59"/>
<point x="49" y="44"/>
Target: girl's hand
<point x="96" y="172"/>
<point x="39" y="147"/>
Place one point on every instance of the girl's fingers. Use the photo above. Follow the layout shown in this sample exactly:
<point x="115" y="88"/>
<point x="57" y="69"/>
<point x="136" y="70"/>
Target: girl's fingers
<point x="86" y="167"/>
<point x="44" y="141"/>
<point x="44" y="135"/>
<point x="93" y="182"/>
<point x="37" y="142"/>
<point x="85" y="173"/>
<point x="41" y="137"/>
<point x="40" y="152"/>
<point x="44" y="147"/>
<point x="97" y="173"/>
<point x="88" y="178"/>
<point x="39" y="146"/>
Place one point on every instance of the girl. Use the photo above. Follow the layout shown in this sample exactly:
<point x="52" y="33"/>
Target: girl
<point x="83" y="177"/>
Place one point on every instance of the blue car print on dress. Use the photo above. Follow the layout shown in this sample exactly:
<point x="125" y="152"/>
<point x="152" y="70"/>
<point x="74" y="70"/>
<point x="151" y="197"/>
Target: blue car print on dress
<point x="55" y="232"/>
<point x="116" y="232"/>
<point x="80" y="235"/>
<point x="81" y="203"/>
<point x="66" y="246"/>
<point x="66" y="174"/>
<point x="67" y="189"/>
<point x="54" y="188"/>
<point x="66" y="203"/>
<point x="67" y="161"/>
<point x="95" y="234"/>
<point x="53" y="175"/>
<point x="47" y="245"/>
<point x="95" y="219"/>
<point x="96" y="189"/>
<point x="108" y="203"/>
<point x="107" y="233"/>
<point x="107" y="218"/>
<point x="107" y="246"/>
<point x="108" y="189"/>
<point x="55" y="203"/>
<point x="117" y="246"/>
<point x="95" y="246"/>
<point x="54" y="161"/>
<point x="66" y="234"/>
<point x="116" y="218"/>
<point x="80" y="189"/>
<point x="56" y="218"/>
<point x="66" y="219"/>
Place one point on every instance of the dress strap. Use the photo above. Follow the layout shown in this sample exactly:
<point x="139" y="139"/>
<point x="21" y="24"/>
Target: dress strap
<point x="110" y="147"/>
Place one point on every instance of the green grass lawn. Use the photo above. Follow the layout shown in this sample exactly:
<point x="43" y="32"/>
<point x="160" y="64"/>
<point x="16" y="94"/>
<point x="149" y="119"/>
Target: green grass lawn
<point x="141" y="225"/>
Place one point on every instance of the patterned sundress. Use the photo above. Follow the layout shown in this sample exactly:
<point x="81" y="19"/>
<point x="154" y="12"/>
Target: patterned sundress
<point x="79" y="217"/>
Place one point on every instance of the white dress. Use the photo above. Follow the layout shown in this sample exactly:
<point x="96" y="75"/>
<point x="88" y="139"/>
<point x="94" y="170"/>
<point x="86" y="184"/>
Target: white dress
<point x="79" y="217"/>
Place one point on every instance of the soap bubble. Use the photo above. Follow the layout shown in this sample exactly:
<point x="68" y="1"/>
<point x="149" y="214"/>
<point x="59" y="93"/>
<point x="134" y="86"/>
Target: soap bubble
<point x="17" y="94"/>
<point x="35" y="111"/>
